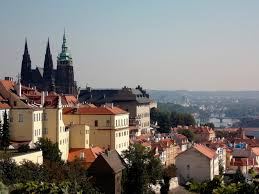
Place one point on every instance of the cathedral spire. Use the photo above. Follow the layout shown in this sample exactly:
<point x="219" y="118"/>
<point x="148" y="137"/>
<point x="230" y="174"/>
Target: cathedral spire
<point x="48" y="68"/>
<point x="64" y="44"/>
<point x="26" y="66"/>
<point x="26" y="47"/>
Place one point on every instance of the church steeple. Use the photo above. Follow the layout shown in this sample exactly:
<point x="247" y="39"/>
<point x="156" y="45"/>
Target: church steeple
<point x="48" y="68"/>
<point x="26" y="66"/>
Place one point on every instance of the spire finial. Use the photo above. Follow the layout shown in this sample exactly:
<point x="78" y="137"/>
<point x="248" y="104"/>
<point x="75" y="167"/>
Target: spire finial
<point x="26" y="47"/>
<point x="64" y="36"/>
<point x="48" y="47"/>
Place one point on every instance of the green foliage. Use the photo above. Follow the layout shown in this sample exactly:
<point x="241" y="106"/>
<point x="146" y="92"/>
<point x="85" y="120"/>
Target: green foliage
<point x="23" y="148"/>
<point x="217" y="186"/>
<point x="5" y="133"/>
<point x="3" y="189"/>
<point x="221" y="167"/>
<point x="142" y="169"/>
<point x="189" y="134"/>
<point x="238" y="176"/>
<point x="29" y="177"/>
<point x="50" y="151"/>
<point x="166" y="120"/>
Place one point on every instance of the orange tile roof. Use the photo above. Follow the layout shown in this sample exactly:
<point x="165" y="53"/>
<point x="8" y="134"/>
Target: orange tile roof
<point x="7" y="84"/>
<point x="4" y="106"/>
<point x="255" y="151"/>
<point x="90" y="154"/>
<point x="205" y="150"/>
<point x="70" y="100"/>
<point x="94" y="111"/>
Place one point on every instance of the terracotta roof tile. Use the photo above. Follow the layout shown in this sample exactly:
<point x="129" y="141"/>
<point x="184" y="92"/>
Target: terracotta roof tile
<point x="90" y="154"/>
<point x="94" y="111"/>
<point x="205" y="150"/>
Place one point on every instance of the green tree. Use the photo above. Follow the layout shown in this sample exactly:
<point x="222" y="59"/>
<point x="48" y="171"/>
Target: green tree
<point x="238" y="176"/>
<point x="5" y="133"/>
<point x="142" y="169"/>
<point x="164" y="122"/>
<point x="189" y="120"/>
<point x="50" y="150"/>
<point x="189" y="134"/>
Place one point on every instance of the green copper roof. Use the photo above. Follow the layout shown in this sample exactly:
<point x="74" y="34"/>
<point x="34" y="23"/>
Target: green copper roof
<point x="64" y="55"/>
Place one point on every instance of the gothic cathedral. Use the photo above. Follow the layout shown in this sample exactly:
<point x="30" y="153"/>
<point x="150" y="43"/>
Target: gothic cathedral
<point x="60" y="80"/>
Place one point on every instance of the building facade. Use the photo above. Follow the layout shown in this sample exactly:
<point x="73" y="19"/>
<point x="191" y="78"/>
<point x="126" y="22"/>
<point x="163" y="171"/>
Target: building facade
<point x="198" y="163"/>
<point x="135" y="101"/>
<point x="109" y="126"/>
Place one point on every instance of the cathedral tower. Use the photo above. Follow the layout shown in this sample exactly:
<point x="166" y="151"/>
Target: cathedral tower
<point x="26" y="66"/>
<point x="48" y="72"/>
<point x="65" y="73"/>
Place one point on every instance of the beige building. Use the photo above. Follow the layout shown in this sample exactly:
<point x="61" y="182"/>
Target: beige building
<point x="35" y="157"/>
<point x="198" y="163"/>
<point x="109" y="125"/>
<point x="136" y="101"/>
<point x="34" y="115"/>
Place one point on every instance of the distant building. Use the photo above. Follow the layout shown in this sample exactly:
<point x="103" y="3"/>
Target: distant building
<point x="198" y="163"/>
<point x="135" y="101"/>
<point x="60" y="80"/>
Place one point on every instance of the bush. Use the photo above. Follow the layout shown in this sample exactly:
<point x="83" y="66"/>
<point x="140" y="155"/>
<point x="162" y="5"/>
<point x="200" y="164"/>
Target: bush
<point x="23" y="148"/>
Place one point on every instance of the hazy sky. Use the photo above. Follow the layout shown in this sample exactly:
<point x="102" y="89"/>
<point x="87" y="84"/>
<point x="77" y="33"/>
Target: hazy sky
<point x="184" y="44"/>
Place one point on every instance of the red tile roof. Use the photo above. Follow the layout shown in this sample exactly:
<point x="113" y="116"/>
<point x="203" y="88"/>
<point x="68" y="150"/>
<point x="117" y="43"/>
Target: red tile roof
<point x="205" y="150"/>
<point x="94" y="111"/>
<point x="90" y="154"/>
<point x="4" y="106"/>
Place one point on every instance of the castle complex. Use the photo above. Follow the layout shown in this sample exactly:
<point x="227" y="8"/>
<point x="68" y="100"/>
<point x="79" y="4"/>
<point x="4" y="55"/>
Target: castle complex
<point x="60" y="80"/>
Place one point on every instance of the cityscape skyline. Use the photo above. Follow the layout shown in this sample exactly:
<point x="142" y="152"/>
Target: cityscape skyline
<point x="168" y="46"/>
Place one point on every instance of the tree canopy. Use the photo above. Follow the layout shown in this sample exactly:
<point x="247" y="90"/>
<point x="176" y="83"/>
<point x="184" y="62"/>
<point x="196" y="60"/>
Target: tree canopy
<point x="4" y="133"/>
<point x="49" y="149"/>
<point x="142" y="169"/>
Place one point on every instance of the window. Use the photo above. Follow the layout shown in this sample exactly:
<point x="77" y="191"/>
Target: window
<point x="15" y="103"/>
<point x="20" y="117"/>
<point x="119" y="134"/>
<point x="124" y="133"/>
<point x="60" y="142"/>
<point x="116" y="123"/>
<point x="45" y="131"/>
<point x="108" y="124"/>
<point x="44" y="116"/>
<point x="188" y="167"/>
<point x="96" y="123"/>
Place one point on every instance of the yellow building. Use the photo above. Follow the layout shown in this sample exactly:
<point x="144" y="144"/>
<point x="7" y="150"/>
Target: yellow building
<point x="109" y="125"/>
<point x="34" y="115"/>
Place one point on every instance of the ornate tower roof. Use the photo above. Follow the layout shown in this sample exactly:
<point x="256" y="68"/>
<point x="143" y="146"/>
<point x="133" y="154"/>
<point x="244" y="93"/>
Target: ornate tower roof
<point x="64" y="55"/>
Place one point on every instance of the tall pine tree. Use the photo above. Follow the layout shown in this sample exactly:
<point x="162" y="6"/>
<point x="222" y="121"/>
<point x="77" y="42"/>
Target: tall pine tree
<point x="5" y="133"/>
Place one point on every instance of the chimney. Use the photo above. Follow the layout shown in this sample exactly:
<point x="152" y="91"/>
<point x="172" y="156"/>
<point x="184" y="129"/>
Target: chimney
<point x="18" y="88"/>
<point x="59" y="102"/>
<point x="82" y="155"/>
<point x="42" y="98"/>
